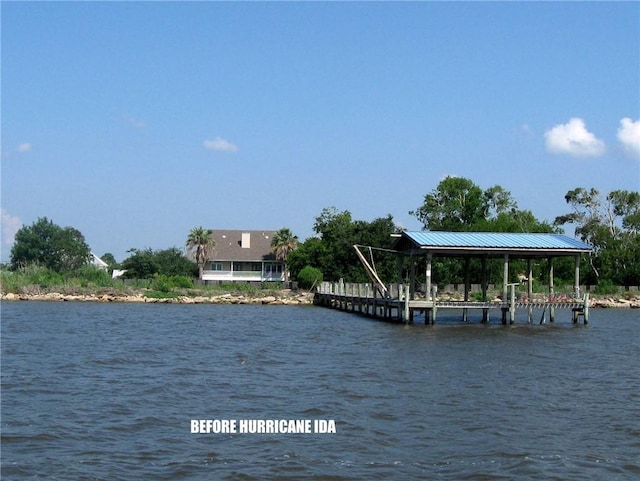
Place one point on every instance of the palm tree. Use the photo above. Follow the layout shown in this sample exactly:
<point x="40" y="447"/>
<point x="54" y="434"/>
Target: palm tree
<point x="283" y="243"/>
<point x="199" y="245"/>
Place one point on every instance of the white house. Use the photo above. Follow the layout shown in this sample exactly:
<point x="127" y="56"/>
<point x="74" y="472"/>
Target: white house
<point x="96" y="261"/>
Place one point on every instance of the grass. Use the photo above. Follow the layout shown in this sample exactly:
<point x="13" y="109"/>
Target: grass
<point x="36" y="279"/>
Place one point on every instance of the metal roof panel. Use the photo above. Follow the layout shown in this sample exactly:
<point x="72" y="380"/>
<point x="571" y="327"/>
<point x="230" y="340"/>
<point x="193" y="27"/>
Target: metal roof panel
<point x="495" y="240"/>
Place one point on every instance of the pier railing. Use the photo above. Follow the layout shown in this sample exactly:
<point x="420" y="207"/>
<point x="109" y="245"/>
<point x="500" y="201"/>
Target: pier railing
<point x="365" y="290"/>
<point x="399" y="303"/>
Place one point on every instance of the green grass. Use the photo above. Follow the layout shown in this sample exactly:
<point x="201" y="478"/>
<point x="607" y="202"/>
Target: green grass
<point x="161" y="295"/>
<point x="35" y="279"/>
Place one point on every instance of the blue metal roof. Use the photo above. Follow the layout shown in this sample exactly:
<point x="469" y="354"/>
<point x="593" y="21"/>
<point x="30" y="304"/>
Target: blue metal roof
<point x="496" y="240"/>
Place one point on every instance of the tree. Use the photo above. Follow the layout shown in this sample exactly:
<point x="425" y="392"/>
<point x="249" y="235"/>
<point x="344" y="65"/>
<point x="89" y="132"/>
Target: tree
<point x="311" y="252"/>
<point x="611" y="225"/>
<point x="459" y="205"/>
<point x="283" y="243"/>
<point x="455" y="205"/>
<point x="498" y="201"/>
<point x="146" y="263"/>
<point x="332" y="252"/>
<point x="172" y="262"/>
<point x="309" y="277"/>
<point x="200" y="244"/>
<point x="142" y="264"/>
<point x="109" y="258"/>
<point x="56" y="248"/>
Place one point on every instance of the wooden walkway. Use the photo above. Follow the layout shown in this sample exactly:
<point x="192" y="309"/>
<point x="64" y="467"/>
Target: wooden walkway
<point x="397" y="306"/>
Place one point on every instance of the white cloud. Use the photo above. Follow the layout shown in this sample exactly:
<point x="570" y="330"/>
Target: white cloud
<point x="137" y="123"/>
<point x="574" y="139"/>
<point x="629" y="136"/>
<point x="219" y="144"/>
<point x="10" y="225"/>
<point x="25" y="147"/>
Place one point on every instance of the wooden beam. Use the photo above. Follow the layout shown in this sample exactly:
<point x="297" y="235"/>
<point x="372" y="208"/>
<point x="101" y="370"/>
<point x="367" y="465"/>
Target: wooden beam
<point x="428" y="276"/>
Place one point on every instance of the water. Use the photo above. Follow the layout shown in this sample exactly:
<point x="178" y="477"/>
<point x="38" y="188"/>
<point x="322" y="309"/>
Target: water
<point x="107" y="392"/>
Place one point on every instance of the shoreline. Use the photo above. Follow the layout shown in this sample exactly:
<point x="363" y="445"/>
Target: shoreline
<point x="283" y="297"/>
<point x="279" y="298"/>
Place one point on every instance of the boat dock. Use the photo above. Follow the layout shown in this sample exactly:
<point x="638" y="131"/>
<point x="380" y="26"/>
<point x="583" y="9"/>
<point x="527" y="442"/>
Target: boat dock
<point x="401" y="302"/>
<point x="398" y="306"/>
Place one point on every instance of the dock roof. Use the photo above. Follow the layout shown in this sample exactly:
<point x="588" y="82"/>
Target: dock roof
<point x="492" y="244"/>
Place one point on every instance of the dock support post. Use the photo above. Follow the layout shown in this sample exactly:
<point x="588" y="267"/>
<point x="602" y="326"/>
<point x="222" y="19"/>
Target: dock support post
<point x="505" y="294"/>
<point x="512" y="304"/>
<point x="529" y="289"/>
<point x="387" y="309"/>
<point x="576" y="282"/>
<point x="373" y="302"/>
<point x="428" y="276"/>
<point x="585" y="312"/>
<point x="407" y="295"/>
<point x="435" y="308"/>
<point x="412" y="278"/>
<point x="552" y="292"/>
<point x="505" y="278"/>
<point x="485" y="312"/>
<point x="366" y="301"/>
<point x="467" y="286"/>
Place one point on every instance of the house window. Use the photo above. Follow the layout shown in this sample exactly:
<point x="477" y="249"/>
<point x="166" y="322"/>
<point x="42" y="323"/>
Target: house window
<point x="216" y="266"/>
<point x="273" y="268"/>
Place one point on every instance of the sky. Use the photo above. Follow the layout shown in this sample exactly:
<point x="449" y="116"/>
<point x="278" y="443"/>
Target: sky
<point x="134" y="122"/>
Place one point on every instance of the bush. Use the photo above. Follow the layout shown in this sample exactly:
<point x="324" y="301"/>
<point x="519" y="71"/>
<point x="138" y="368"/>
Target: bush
<point x="605" y="286"/>
<point x="10" y="282"/>
<point x="35" y="274"/>
<point x="163" y="283"/>
<point x="92" y="276"/>
<point x="182" y="282"/>
<point x="309" y="277"/>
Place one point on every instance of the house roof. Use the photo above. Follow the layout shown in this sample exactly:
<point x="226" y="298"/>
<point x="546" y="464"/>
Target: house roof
<point x="229" y="245"/>
<point x="489" y="243"/>
<point x="96" y="261"/>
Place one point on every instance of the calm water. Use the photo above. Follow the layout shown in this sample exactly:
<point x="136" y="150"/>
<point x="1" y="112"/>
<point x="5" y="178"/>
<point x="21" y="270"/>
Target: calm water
<point x="107" y="391"/>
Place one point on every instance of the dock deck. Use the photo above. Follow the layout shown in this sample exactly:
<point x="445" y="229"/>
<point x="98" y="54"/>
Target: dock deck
<point x="399" y="307"/>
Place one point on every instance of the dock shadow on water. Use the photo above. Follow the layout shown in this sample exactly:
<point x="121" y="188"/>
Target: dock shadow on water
<point x="95" y="391"/>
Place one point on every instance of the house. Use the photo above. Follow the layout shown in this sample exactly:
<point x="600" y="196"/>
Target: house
<point x="242" y="255"/>
<point x="94" y="260"/>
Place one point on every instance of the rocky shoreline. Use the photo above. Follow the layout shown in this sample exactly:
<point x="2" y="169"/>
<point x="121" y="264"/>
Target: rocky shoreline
<point x="284" y="297"/>
<point x="606" y="302"/>
<point x="280" y="298"/>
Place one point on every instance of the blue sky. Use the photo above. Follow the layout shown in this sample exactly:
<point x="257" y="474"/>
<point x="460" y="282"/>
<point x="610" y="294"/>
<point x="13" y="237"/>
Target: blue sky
<point x="134" y="122"/>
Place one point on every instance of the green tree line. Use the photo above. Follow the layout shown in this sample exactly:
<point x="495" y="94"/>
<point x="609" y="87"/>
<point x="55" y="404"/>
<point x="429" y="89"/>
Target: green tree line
<point x="609" y="223"/>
